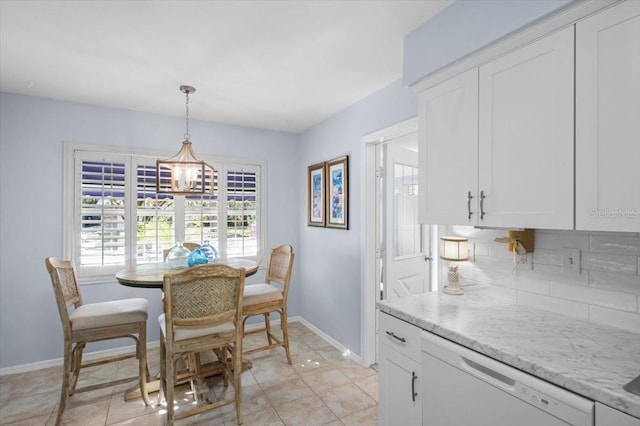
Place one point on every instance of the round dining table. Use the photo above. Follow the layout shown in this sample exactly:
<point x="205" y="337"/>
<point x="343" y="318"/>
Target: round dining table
<point x="151" y="275"/>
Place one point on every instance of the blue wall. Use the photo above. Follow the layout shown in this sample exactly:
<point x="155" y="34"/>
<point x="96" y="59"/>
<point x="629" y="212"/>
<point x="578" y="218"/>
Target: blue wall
<point x="330" y="261"/>
<point x="465" y="27"/>
<point x="32" y="132"/>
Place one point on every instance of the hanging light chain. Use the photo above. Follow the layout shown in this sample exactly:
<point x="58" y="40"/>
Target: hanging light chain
<point x="187" y="135"/>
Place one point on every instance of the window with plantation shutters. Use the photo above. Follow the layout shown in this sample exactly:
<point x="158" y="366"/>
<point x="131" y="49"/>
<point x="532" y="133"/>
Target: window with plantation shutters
<point x="241" y="209"/>
<point x="101" y="212"/>
<point x="201" y="215"/>
<point x="155" y="215"/>
<point x="118" y="220"/>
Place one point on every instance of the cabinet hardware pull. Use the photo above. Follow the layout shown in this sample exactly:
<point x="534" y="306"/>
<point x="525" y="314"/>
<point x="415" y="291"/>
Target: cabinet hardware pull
<point x="413" y="386"/>
<point x="428" y="258"/>
<point x="469" y="198"/>
<point x="392" y="334"/>
<point x="482" y="197"/>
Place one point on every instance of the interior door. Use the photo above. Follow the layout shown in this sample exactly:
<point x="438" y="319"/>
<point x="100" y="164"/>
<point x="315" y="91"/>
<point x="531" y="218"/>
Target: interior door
<point x="405" y="267"/>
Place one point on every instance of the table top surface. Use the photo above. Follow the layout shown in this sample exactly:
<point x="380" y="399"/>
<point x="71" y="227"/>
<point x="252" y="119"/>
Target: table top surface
<point x="151" y="275"/>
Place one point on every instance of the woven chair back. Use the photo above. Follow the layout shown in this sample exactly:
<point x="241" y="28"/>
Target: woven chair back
<point x="65" y="285"/>
<point x="280" y="266"/>
<point x="205" y="295"/>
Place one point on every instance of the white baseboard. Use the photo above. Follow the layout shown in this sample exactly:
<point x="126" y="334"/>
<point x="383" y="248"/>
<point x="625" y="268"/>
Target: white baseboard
<point x="90" y="356"/>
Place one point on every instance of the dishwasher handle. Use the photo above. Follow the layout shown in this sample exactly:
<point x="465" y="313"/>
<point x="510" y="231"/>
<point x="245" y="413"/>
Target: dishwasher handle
<point x="486" y="372"/>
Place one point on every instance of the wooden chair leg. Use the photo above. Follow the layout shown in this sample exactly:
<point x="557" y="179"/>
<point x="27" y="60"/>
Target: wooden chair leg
<point x="170" y="375"/>
<point x="237" y="379"/>
<point x="267" y="323"/>
<point x="66" y="382"/>
<point x="163" y="371"/>
<point x="285" y="334"/>
<point x="143" y="371"/>
<point x="76" y="364"/>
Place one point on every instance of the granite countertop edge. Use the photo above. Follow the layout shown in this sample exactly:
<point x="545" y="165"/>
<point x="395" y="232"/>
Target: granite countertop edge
<point x="610" y="394"/>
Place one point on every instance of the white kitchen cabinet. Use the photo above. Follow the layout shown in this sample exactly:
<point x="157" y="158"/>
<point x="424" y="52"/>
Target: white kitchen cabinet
<point x="526" y="136"/>
<point x="608" y="120"/>
<point x="496" y="143"/>
<point x="607" y="416"/>
<point x="448" y="152"/>
<point x="399" y="376"/>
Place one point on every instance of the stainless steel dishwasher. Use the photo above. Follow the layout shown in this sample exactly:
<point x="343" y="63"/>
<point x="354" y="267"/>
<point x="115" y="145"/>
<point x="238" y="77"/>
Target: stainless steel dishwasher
<point x="461" y="387"/>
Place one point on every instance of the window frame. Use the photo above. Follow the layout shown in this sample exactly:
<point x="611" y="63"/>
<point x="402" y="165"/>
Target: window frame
<point x="71" y="205"/>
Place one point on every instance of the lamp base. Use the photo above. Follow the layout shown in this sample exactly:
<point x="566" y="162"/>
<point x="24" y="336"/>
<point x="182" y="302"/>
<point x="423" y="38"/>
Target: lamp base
<point x="455" y="290"/>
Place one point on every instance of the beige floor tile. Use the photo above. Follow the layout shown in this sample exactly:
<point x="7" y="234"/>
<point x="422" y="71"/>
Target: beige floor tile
<point x="267" y="417"/>
<point x="325" y="378"/>
<point x="32" y="421"/>
<point x="272" y="370"/>
<point x="152" y="419"/>
<point x="334" y="423"/>
<point x="330" y="353"/>
<point x="369" y="385"/>
<point x="346" y="399"/>
<point x="308" y="361"/>
<point x="366" y="417"/>
<point x="86" y="415"/>
<point x="354" y="370"/>
<point x="26" y="407"/>
<point x="306" y="411"/>
<point x="253" y="400"/>
<point x="290" y="390"/>
<point x="314" y="341"/>
<point x="120" y="410"/>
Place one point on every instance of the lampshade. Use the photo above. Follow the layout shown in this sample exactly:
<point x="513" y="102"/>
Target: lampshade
<point x="184" y="173"/>
<point x="454" y="248"/>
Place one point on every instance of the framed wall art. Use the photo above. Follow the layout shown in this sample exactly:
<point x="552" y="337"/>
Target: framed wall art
<point x="337" y="193"/>
<point x="316" y="195"/>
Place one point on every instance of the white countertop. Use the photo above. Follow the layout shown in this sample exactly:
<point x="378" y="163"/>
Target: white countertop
<point x="592" y="360"/>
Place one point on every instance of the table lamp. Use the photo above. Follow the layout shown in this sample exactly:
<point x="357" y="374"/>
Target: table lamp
<point x="454" y="249"/>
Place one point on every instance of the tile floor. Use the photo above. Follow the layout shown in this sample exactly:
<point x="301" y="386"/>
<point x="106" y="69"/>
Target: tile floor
<point x="321" y="388"/>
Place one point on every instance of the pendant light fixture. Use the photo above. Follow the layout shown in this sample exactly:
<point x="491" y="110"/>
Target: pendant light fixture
<point x="184" y="173"/>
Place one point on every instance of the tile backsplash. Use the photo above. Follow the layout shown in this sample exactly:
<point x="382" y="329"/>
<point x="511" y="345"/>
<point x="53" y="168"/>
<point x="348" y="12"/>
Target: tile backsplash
<point x="606" y="291"/>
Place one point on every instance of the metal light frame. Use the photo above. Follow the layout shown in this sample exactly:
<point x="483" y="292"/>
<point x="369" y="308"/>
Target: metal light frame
<point x="187" y="173"/>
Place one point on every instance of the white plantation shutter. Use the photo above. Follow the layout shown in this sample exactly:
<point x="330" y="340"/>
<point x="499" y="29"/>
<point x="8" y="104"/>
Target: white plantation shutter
<point x="201" y="215"/>
<point x="100" y="212"/>
<point x="155" y="215"/>
<point x="242" y="209"/>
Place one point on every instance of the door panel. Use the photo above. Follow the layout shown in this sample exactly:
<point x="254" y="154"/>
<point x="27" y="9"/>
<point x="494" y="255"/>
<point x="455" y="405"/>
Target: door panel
<point x="406" y="271"/>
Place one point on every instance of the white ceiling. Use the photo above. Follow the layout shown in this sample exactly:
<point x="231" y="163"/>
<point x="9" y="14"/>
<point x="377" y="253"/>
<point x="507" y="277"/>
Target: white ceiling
<point x="281" y="65"/>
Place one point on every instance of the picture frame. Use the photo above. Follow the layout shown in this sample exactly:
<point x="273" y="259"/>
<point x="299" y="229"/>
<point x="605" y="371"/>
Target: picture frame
<point x="316" y="187"/>
<point x="337" y="193"/>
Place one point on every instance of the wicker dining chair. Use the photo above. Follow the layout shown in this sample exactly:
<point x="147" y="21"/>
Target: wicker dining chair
<point x="265" y="298"/>
<point x="93" y="322"/>
<point x="202" y="312"/>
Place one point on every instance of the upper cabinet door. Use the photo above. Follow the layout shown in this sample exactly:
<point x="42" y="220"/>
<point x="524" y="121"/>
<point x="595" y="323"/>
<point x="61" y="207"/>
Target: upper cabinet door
<point x="608" y="120"/>
<point x="448" y="151"/>
<point x="526" y="136"/>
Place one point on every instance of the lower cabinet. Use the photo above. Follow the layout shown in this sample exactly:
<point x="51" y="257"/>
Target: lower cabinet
<point x="607" y="416"/>
<point x="399" y="396"/>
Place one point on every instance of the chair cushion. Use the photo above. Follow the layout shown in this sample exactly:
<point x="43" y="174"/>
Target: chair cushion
<point x="190" y="333"/>
<point x="261" y="293"/>
<point x="105" y="314"/>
